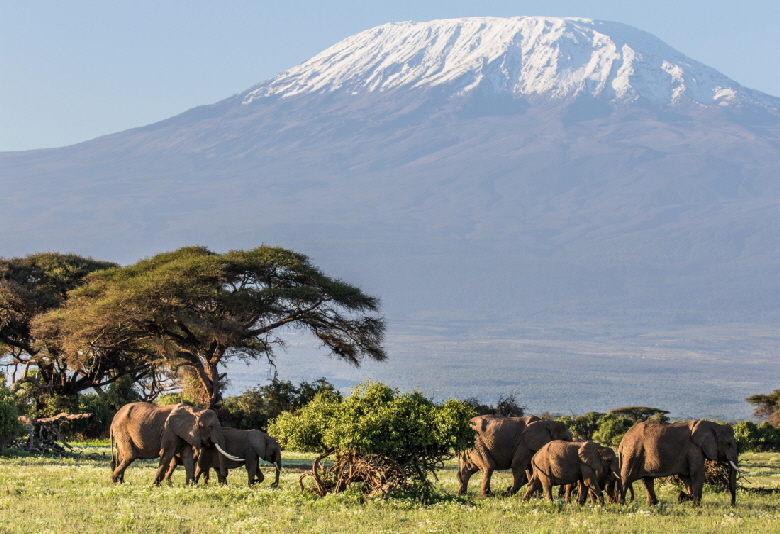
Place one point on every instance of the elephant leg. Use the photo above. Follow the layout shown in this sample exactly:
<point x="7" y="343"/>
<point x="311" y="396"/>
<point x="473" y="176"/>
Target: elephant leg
<point x="118" y="476"/>
<point x="582" y="493"/>
<point x="547" y="485"/>
<point x="170" y="470"/>
<point x="649" y="483"/>
<point x="188" y="459"/>
<point x="259" y="474"/>
<point x="168" y="456"/>
<point x="519" y="478"/>
<point x="486" y="474"/>
<point x="252" y="467"/>
<point x="593" y="489"/>
<point x="686" y="495"/>
<point x="463" y="478"/>
<point x="697" y="485"/>
<point x="533" y="487"/>
<point x="567" y="491"/>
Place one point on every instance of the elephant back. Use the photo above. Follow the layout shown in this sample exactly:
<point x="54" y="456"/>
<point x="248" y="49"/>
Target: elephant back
<point x="499" y="430"/>
<point x="500" y="436"/>
<point x="141" y="424"/>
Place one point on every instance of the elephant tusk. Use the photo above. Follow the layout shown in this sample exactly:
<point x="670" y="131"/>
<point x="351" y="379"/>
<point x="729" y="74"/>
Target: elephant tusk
<point x="737" y="468"/>
<point x="226" y="455"/>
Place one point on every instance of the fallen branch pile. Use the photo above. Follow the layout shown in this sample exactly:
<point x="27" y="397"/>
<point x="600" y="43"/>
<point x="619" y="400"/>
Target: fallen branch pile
<point x="44" y="433"/>
<point x="377" y="475"/>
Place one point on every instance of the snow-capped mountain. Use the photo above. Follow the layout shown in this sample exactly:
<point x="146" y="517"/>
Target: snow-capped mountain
<point x="556" y="58"/>
<point x="480" y="176"/>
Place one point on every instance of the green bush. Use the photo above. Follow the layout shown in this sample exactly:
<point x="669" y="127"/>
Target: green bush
<point x="582" y="426"/>
<point x="10" y="427"/>
<point x="756" y="438"/>
<point x="381" y="438"/>
<point x="612" y="429"/>
<point x="255" y="407"/>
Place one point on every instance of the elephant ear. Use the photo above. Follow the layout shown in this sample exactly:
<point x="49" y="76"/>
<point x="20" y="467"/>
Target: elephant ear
<point x="588" y="454"/>
<point x="183" y="423"/>
<point x="536" y="435"/>
<point x="703" y="435"/>
<point x="259" y="442"/>
<point x="608" y="459"/>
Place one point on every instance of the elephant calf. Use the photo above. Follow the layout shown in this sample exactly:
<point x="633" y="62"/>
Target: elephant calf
<point x="247" y="444"/>
<point x="564" y="463"/>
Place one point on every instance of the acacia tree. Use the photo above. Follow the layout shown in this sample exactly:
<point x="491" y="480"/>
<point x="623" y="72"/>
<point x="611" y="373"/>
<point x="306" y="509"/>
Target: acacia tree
<point x="196" y="308"/>
<point x="767" y="407"/>
<point x="37" y="284"/>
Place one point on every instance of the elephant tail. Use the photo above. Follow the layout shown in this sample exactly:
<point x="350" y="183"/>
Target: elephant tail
<point x="114" y="461"/>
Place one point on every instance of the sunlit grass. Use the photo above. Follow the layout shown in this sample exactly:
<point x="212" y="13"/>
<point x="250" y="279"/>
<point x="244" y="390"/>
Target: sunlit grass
<point x="75" y="494"/>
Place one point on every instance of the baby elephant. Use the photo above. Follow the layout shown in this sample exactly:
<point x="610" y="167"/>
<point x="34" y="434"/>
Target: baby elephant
<point x="247" y="444"/>
<point x="565" y="462"/>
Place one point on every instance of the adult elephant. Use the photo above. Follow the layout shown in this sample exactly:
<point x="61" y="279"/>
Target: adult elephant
<point x="248" y="444"/>
<point x="652" y="449"/>
<point x="143" y="430"/>
<point x="506" y="443"/>
<point x="569" y="463"/>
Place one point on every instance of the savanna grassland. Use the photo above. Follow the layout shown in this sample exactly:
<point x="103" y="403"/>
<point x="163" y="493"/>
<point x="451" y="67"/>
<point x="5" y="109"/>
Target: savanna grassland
<point x="75" y="494"/>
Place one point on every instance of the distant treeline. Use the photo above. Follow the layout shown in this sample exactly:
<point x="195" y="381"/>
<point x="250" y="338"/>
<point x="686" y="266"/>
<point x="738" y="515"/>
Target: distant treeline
<point x="258" y="407"/>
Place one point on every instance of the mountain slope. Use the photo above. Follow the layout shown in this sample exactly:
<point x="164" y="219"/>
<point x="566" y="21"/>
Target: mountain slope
<point x="480" y="175"/>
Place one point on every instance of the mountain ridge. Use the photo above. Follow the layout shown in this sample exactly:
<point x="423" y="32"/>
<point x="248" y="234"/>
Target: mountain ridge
<point x="558" y="57"/>
<point x="470" y="212"/>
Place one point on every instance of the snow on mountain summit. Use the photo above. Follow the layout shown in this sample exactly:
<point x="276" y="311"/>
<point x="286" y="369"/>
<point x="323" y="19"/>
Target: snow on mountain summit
<point x="556" y="58"/>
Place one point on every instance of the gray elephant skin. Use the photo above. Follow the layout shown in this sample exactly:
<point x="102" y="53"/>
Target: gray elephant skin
<point x="143" y="430"/>
<point x="251" y="445"/>
<point x="568" y="463"/>
<point x="652" y="449"/>
<point x="506" y="443"/>
<point x="608" y="479"/>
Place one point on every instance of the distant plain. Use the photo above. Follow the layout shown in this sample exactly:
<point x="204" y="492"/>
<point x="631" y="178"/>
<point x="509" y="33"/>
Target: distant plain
<point x="693" y="371"/>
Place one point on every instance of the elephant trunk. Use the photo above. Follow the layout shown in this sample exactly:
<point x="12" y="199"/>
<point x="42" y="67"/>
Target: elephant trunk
<point x="733" y="483"/>
<point x="278" y="470"/>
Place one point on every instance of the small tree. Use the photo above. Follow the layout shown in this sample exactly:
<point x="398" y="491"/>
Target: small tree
<point x="638" y="414"/>
<point x="255" y="407"/>
<point x="582" y="426"/>
<point x="32" y="286"/>
<point x="10" y="427"/>
<point x="611" y="430"/>
<point x="767" y="407"/>
<point x="507" y="405"/>
<point x="382" y="440"/>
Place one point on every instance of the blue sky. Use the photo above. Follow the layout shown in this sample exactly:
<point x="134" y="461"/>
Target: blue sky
<point x="72" y="71"/>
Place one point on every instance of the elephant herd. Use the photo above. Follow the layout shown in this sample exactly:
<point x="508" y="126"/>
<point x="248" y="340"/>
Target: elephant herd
<point x="541" y="453"/>
<point x="544" y="454"/>
<point x="188" y="436"/>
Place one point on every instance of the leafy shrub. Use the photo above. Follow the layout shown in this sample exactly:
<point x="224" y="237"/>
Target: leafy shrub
<point x="382" y="439"/>
<point x="756" y="438"/>
<point x="507" y="405"/>
<point x="582" y="426"/>
<point x="255" y="407"/>
<point x="612" y="429"/>
<point x="103" y="408"/>
<point x="641" y="413"/>
<point x="10" y="427"/>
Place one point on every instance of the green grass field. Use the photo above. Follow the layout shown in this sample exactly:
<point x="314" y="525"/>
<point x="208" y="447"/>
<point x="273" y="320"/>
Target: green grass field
<point x="75" y="495"/>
